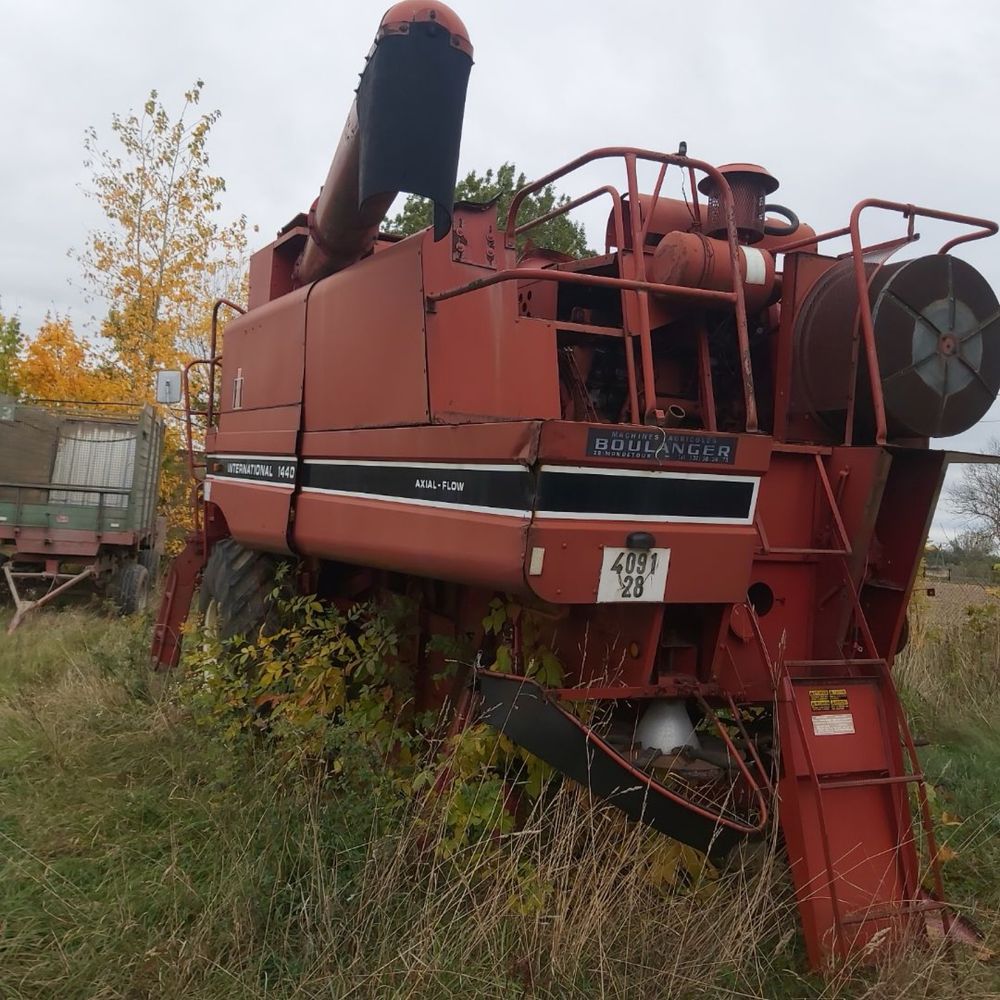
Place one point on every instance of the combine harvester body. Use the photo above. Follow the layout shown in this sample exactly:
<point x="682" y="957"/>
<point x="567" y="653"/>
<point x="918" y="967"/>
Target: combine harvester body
<point x="703" y="455"/>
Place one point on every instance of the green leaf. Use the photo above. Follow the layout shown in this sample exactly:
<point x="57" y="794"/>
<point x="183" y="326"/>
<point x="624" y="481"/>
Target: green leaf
<point x="504" y="662"/>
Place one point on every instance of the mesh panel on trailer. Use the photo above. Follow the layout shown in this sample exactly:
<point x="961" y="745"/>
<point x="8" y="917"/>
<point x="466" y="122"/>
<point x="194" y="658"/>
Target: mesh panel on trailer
<point x="97" y="456"/>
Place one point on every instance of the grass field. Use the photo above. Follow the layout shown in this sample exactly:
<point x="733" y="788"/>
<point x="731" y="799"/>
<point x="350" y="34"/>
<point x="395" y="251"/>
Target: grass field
<point x="139" y="858"/>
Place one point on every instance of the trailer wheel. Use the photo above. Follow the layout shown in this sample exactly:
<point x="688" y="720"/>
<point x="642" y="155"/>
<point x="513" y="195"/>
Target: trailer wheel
<point x="150" y="558"/>
<point x="133" y="588"/>
<point x="234" y="589"/>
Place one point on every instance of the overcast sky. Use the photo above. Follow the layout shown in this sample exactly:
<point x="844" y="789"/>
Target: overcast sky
<point x="840" y="101"/>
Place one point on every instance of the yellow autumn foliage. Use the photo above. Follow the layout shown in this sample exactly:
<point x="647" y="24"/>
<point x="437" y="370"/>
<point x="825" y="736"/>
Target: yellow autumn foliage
<point x="59" y="365"/>
<point x="163" y="256"/>
<point x="159" y="261"/>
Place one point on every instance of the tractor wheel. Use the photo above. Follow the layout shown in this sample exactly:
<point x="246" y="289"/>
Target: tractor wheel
<point x="234" y="589"/>
<point x="150" y="558"/>
<point x="133" y="588"/>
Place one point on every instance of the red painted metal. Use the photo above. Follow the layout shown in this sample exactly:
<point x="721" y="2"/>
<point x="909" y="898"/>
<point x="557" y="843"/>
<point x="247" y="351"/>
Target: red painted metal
<point x="398" y="385"/>
<point x="592" y="281"/>
<point x="631" y="157"/>
<point x="178" y="591"/>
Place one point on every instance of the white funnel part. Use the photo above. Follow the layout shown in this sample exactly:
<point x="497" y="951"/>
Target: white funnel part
<point x="665" y="725"/>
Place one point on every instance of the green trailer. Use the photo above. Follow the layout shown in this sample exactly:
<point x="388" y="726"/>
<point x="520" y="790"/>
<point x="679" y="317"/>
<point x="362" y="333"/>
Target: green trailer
<point x="78" y="493"/>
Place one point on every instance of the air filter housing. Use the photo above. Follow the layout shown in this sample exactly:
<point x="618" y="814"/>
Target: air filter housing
<point x="937" y="332"/>
<point x="750" y="185"/>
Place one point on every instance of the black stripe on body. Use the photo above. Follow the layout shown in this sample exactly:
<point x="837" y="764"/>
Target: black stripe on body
<point x="465" y="485"/>
<point x="659" y="496"/>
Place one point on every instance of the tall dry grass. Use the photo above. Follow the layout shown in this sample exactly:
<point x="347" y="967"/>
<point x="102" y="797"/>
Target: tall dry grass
<point x="140" y="858"/>
<point x="950" y="674"/>
<point x="595" y="923"/>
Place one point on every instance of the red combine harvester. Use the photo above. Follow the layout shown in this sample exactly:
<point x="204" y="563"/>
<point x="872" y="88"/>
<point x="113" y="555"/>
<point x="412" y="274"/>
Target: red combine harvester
<point x="702" y="454"/>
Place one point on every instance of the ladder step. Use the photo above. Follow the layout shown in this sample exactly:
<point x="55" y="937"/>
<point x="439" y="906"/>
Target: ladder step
<point x="898" y="779"/>
<point x="591" y="328"/>
<point x="833" y="663"/>
<point x="893" y="913"/>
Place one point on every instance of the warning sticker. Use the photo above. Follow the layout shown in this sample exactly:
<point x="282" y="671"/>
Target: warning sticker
<point x="839" y="724"/>
<point x="828" y="699"/>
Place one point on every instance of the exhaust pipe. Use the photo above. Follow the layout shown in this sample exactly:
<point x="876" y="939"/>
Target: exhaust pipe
<point x="402" y="134"/>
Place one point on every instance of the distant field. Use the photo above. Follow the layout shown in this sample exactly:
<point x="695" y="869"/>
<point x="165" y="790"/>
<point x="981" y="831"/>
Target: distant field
<point x="139" y="858"/>
<point x="951" y="600"/>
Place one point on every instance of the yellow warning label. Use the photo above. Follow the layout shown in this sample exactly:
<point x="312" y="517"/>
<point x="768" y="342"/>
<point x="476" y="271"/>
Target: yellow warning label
<point x="819" y="699"/>
<point x="828" y="699"/>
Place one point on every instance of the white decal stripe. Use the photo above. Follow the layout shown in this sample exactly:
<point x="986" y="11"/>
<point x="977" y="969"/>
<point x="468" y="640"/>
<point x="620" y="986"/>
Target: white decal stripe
<point x="548" y="515"/>
<point x="626" y="518"/>
<point x="414" y="502"/>
<point x="456" y="466"/>
<point x="250" y="482"/>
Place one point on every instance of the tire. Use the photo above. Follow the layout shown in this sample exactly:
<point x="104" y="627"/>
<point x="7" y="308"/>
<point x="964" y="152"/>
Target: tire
<point x="133" y="588"/>
<point x="235" y="587"/>
<point x="150" y="558"/>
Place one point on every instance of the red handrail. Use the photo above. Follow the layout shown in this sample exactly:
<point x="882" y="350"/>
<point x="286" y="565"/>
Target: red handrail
<point x="212" y="362"/>
<point x="617" y="216"/>
<point x="631" y="156"/>
<point x="985" y="228"/>
<point x="909" y="212"/>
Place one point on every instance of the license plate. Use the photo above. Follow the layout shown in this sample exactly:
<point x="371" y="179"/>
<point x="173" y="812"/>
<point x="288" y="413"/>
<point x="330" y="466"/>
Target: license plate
<point x="633" y="575"/>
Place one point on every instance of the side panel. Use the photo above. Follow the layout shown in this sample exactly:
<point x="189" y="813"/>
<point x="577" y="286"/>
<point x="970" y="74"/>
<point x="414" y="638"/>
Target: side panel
<point x="261" y="407"/>
<point x="482" y="368"/>
<point x="674" y="476"/>
<point x="418" y="499"/>
<point x="257" y="514"/>
<point x="708" y="563"/>
<point x="483" y="361"/>
<point x="497" y="442"/>
<point x="904" y="519"/>
<point x="28" y="437"/>
<point x="365" y="355"/>
<point x="467" y="547"/>
<point x="146" y="475"/>
<point x="271" y="431"/>
<point x="263" y="359"/>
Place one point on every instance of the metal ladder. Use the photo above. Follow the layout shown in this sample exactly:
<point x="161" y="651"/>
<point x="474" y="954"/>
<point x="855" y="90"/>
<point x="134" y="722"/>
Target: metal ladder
<point x="842" y="896"/>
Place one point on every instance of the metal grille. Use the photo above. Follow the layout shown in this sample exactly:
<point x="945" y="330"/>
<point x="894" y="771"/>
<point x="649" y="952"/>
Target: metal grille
<point x="748" y="206"/>
<point x="93" y="455"/>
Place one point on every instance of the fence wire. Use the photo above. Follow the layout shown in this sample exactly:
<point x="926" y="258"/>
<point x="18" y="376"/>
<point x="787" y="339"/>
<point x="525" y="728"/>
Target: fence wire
<point x="946" y="599"/>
